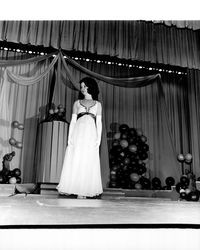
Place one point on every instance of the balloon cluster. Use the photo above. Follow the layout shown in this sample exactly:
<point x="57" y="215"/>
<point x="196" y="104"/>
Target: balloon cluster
<point x="184" y="159"/>
<point x="128" y="156"/>
<point x="186" y="187"/>
<point x="7" y="175"/>
<point x="56" y="113"/>
<point x="13" y="142"/>
<point x="10" y="176"/>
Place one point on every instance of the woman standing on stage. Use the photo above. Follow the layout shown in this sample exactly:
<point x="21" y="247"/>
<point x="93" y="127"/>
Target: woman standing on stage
<point x="81" y="173"/>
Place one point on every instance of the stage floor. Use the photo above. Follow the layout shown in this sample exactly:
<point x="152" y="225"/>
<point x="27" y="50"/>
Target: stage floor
<point x="52" y="210"/>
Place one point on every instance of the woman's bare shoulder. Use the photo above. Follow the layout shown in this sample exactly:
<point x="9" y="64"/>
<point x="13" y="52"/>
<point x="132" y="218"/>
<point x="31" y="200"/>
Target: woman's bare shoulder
<point x="98" y="103"/>
<point x="76" y="102"/>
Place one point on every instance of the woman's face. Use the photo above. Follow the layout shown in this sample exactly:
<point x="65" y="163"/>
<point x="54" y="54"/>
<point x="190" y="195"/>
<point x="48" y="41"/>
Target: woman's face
<point x="84" y="88"/>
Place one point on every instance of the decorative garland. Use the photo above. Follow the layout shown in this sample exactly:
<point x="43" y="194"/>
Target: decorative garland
<point x="101" y="61"/>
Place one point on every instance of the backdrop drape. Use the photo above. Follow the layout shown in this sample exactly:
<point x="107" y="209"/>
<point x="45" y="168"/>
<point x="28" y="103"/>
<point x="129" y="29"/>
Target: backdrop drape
<point x="136" y="40"/>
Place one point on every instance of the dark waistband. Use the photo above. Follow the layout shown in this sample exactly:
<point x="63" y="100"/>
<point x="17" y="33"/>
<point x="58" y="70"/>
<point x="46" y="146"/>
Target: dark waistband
<point x="85" y="113"/>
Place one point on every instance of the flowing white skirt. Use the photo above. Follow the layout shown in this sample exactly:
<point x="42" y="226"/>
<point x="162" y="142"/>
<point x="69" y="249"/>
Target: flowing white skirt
<point x="81" y="173"/>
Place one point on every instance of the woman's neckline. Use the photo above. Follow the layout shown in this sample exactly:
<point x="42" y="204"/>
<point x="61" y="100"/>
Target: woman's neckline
<point x="88" y="107"/>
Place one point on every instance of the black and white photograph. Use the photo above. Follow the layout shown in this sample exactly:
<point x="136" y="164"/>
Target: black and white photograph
<point x="99" y="129"/>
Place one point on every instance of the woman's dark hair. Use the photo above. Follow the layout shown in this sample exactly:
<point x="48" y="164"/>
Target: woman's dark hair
<point x="93" y="88"/>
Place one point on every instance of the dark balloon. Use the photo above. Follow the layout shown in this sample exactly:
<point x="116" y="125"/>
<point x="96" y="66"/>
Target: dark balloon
<point x="170" y="181"/>
<point x="123" y="128"/>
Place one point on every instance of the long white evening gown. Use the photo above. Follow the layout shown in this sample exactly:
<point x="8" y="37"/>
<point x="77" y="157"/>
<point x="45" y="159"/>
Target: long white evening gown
<point x="81" y="174"/>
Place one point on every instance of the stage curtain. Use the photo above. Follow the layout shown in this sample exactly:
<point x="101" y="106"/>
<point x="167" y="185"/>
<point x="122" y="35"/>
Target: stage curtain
<point x="25" y="104"/>
<point x="194" y="118"/>
<point x="136" y="40"/>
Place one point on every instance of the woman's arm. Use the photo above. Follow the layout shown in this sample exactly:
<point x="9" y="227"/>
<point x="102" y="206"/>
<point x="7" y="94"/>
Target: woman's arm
<point x="99" y="123"/>
<point x="72" y="123"/>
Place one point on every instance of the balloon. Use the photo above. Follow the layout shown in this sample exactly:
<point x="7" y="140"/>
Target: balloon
<point x="188" y="157"/>
<point x="193" y="196"/>
<point x="124" y="136"/>
<point x="143" y="138"/>
<point x="156" y="183"/>
<point x="127" y="161"/>
<point x="138" y="186"/>
<point x="18" y="144"/>
<point x="15" y="124"/>
<point x="115" y="143"/>
<point x="169" y="181"/>
<point x="20" y="126"/>
<point x="51" y="111"/>
<point x="117" y="136"/>
<point x="60" y="106"/>
<point x="145" y="147"/>
<point x="113" y="184"/>
<point x="133" y="148"/>
<point x="187" y="190"/>
<point x="16" y="172"/>
<point x="183" y="195"/>
<point x="18" y="179"/>
<point x="2" y="179"/>
<point x="132" y="140"/>
<point x="184" y="180"/>
<point x="180" y="157"/>
<point x="139" y="131"/>
<point x="122" y="154"/>
<point x="143" y="156"/>
<point x="142" y="169"/>
<point x="124" y="143"/>
<point x="146" y="184"/>
<point x="132" y="132"/>
<point x="123" y="128"/>
<point x="134" y="177"/>
<point x="12" y="141"/>
<point x="62" y="110"/>
<point x="12" y="180"/>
